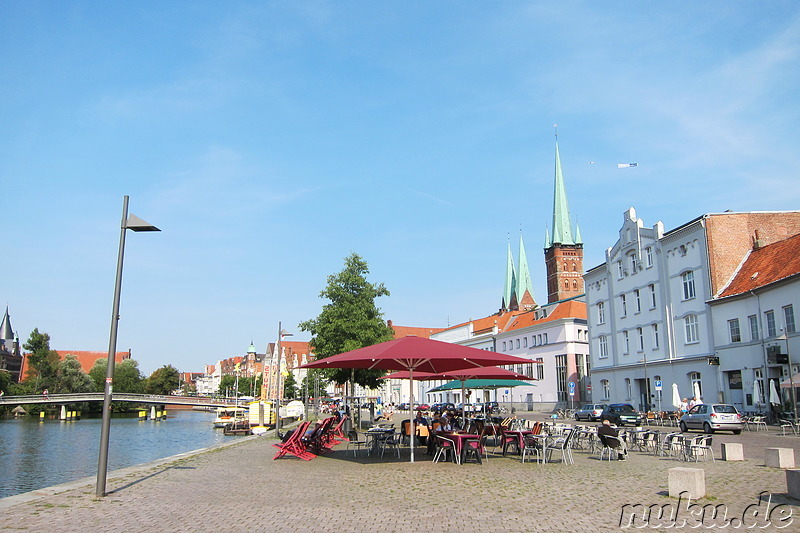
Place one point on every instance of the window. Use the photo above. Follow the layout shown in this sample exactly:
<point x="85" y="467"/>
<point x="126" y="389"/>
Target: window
<point x="561" y="377"/>
<point x="539" y="368"/>
<point x="692" y="334"/>
<point x="788" y="317"/>
<point x="638" y="301"/>
<point x="525" y="345"/>
<point x="770" y="318"/>
<point x="545" y="338"/>
<point x="539" y="340"/>
<point x="655" y="336"/>
<point x="640" y="332"/>
<point x="687" y="279"/>
<point x="753" y="327"/>
<point x="517" y="344"/>
<point x="624" y="303"/>
<point x="648" y="256"/>
<point x="625" y="342"/>
<point x="733" y="327"/>
<point x="697" y="385"/>
<point x="504" y="346"/>
<point x="606" y="389"/>
<point x="652" y="296"/>
<point x="628" y="388"/>
<point x="602" y="342"/>
<point x="601" y="312"/>
<point x="620" y="269"/>
<point x="632" y="259"/>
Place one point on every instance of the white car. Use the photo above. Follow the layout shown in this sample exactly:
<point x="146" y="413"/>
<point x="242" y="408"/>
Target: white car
<point x="590" y="411"/>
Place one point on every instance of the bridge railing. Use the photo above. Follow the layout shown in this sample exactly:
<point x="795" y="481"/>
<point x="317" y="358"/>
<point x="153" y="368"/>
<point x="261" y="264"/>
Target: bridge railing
<point x="118" y="397"/>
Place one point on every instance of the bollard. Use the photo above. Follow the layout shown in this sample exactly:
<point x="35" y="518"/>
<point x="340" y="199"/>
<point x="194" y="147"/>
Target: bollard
<point x="63" y="415"/>
<point x="153" y="412"/>
<point x="779" y="457"/>
<point x="687" y="480"/>
<point x="41" y="416"/>
<point x="793" y="483"/>
<point x="142" y="415"/>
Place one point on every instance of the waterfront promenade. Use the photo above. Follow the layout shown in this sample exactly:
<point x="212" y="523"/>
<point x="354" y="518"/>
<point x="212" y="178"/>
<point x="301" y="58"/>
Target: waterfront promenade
<point x="239" y="487"/>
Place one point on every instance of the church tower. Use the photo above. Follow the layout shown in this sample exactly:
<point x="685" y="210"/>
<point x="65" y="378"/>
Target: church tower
<point x="509" y="302"/>
<point x="563" y="251"/>
<point x="524" y="285"/>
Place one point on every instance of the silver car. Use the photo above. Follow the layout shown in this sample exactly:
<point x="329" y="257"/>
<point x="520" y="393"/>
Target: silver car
<point x="590" y="411"/>
<point x="711" y="417"/>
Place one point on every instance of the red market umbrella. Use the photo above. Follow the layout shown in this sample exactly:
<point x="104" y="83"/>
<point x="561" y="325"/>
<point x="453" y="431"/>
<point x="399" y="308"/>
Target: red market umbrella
<point x="486" y="372"/>
<point x="416" y="354"/>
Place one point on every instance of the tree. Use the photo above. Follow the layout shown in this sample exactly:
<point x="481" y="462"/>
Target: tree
<point x="289" y="387"/>
<point x="71" y="378"/>
<point x="127" y="376"/>
<point x="350" y="321"/>
<point x="42" y="361"/>
<point x="163" y="381"/>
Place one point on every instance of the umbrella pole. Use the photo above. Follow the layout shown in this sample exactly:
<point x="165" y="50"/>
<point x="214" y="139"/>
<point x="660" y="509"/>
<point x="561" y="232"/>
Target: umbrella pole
<point x="412" y="429"/>
<point x="463" y="408"/>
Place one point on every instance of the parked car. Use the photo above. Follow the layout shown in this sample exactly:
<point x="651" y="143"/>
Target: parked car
<point x="590" y="411"/>
<point x="403" y="406"/>
<point x="711" y="417"/>
<point x="621" y="414"/>
<point x="442" y="407"/>
<point x="424" y="406"/>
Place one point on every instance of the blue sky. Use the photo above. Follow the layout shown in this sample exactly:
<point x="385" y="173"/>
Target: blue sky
<point x="269" y="140"/>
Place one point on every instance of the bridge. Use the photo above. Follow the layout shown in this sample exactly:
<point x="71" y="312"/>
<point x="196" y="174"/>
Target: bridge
<point x="61" y="399"/>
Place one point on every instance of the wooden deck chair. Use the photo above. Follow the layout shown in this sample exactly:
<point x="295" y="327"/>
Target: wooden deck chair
<point x="294" y="444"/>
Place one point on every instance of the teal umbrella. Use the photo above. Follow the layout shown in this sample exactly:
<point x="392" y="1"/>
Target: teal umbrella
<point x="482" y="384"/>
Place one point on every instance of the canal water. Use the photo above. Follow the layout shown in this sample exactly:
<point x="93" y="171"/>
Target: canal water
<point x="37" y="454"/>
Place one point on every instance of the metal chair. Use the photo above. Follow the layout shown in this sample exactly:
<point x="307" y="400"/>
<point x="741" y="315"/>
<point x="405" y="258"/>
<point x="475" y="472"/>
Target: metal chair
<point x="702" y="446"/>
<point x="353" y="440"/>
<point x="563" y="444"/>
<point x="534" y="446"/>
<point x="445" y="445"/>
<point x="390" y="440"/>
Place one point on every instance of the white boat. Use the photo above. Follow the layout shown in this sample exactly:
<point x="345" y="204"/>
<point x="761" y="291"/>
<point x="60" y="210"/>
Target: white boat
<point x="229" y="415"/>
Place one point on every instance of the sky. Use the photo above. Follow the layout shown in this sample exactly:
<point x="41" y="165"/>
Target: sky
<point x="270" y="140"/>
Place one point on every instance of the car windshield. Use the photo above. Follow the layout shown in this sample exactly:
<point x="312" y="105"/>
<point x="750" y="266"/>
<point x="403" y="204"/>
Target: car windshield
<point x="625" y="409"/>
<point x="725" y="409"/>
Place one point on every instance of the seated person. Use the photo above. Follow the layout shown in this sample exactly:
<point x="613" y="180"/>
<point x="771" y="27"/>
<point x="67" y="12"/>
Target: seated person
<point x="606" y="430"/>
<point x="445" y="424"/>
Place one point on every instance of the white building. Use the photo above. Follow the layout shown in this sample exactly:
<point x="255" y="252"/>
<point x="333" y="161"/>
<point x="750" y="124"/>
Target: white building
<point x="751" y="316"/>
<point x="647" y="305"/>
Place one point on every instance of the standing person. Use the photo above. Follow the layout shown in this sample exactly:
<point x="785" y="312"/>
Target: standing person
<point x="46" y="394"/>
<point x="684" y="406"/>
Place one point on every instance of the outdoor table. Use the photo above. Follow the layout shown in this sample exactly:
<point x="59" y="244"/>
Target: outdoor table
<point x="520" y="435"/>
<point x="636" y="437"/>
<point x="460" y="438"/>
<point x="376" y="435"/>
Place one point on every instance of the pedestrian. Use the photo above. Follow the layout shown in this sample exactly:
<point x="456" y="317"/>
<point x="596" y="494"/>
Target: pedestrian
<point x="46" y="394"/>
<point x="684" y="406"/>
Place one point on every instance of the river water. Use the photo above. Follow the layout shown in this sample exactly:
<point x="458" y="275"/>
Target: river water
<point x="37" y="454"/>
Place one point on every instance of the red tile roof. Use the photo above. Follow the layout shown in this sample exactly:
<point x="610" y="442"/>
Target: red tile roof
<point x="406" y="331"/>
<point x="766" y="265"/>
<point x="87" y="359"/>
<point x="568" y="309"/>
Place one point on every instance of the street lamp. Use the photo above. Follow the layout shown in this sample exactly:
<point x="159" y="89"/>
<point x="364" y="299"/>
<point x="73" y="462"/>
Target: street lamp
<point x="281" y="333"/>
<point x="132" y="223"/>
<point x="784" y="337"/>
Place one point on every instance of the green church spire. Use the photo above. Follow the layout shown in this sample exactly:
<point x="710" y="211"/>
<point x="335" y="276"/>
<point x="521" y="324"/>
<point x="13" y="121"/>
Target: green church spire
<point x="524" y="280"/>
<point x="562" y="232"/>
<point x="510" y="290"/>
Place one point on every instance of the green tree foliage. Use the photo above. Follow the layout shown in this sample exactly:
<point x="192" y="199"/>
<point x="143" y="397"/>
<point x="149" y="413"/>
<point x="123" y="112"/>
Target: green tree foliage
<point x="351" y="320"/>
<point x="248" y="386"/>
<point x="71" y="378"/>
<point x="289" y="387"/>
<point x="42" y="362"/>
<point x="163" y="381"/>
<point x="127" y="376"/>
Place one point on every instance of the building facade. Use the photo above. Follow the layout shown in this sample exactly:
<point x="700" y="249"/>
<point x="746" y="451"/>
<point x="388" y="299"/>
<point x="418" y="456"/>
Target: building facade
<point x="649" y="320"/>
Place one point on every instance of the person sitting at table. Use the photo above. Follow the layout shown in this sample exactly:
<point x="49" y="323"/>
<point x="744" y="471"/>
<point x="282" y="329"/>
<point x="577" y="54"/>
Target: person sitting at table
<point x="445" y="424"/>
<point x="607" y="431"/>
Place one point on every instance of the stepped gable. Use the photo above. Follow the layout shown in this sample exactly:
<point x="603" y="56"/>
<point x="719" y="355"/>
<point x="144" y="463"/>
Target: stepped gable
<point x="763" y="266"/>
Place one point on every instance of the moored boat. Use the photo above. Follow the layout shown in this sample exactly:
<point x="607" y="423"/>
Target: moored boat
<point x="230" y="415"/>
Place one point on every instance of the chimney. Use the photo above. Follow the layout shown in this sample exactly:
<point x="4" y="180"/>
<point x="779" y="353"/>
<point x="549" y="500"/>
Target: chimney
<point x="757" y="243"/>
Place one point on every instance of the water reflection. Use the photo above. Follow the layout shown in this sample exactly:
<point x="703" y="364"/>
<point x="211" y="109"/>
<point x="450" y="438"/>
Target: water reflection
<point x="40" y="454"/>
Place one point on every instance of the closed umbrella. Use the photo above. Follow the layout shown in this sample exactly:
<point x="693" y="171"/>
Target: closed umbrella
<point x="696" y="388"/>
<point x="774" y="397"/>
<point x="416" y="354"/>
<point x="676" y="397"/>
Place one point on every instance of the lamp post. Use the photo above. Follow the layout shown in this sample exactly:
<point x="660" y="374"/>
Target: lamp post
<point x="132" y="223"/>
<point x="281" y="334"/>
<point x="784" y="337"/>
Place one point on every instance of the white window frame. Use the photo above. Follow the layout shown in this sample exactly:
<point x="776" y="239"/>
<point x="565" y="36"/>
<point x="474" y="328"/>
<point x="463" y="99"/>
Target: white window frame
<point x="602" y="346"/>
<point x="755" y="334"/>
<point x="601" y="312"/>
<point x="620" y="270"/>
<point x="638" y="300"/>
<point x="654" y="328"/>
<point x="691" y="329"/>
<point x="626" y="342"/>
<point x="689" y="289"/>
<point x="640" y="332"/>
<point x="734" y="330"/>
<point x="769" y="318"/>
<point x="652" y="296"/>
<point x="788" y="319"/>
<point x="624" y="304"/>
<point x="648" y="255"/>
<point x="606" y="386"/>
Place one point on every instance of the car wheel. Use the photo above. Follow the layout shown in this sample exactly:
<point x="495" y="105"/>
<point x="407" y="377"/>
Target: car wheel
<point x="707" y="428"/>
<point x="737" y="431"/>
<point x="577" y="417"/>
<point x="683" y="427"/>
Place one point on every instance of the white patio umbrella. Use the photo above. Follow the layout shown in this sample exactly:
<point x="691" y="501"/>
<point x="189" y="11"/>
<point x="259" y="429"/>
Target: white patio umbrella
<point x="697" y="390"/>
<point x="676" y="397"/>
<point x="756" y="393"/>
<point x="774" y="397"/>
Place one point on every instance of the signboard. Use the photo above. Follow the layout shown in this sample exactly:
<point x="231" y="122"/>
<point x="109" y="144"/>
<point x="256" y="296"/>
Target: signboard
<point x="658" y="384"/>
<point x="571" y="387"/>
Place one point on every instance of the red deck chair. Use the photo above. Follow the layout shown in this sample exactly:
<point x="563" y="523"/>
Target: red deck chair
<point x="294" y="444"/>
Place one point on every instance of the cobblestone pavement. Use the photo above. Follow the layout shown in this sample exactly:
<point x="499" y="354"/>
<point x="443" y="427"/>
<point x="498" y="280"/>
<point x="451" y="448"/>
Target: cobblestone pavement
<point x="240" y="488"/>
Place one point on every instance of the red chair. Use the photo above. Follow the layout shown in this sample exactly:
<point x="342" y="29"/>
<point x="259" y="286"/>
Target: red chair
<point x="294" y="445"/>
